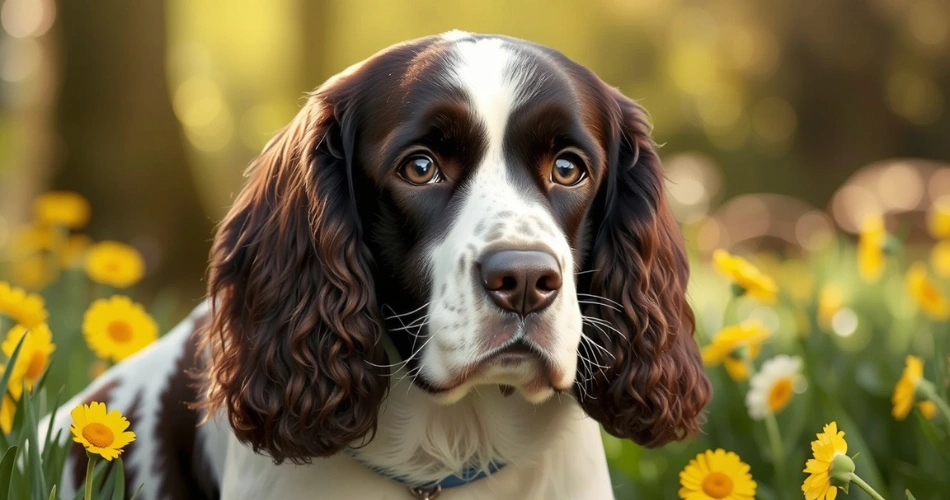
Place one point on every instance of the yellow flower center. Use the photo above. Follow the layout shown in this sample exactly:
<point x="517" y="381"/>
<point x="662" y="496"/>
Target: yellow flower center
<point x="119" y="331"/>
<point x="113" y="267"/>
<point x="717" y="485"/>
<point x="98" y="435"/>
<point x="780" y="395"/>
<point x="36" y="366"/>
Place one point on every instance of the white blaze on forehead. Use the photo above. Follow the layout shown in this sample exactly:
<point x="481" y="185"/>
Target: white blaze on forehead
<point x="483" y="69"/>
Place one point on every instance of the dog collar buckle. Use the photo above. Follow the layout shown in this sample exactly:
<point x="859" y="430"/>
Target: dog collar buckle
<point x="426" y="493"/>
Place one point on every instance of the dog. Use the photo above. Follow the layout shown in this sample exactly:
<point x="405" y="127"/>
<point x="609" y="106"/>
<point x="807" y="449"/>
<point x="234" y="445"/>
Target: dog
<point x="448" y="273"/>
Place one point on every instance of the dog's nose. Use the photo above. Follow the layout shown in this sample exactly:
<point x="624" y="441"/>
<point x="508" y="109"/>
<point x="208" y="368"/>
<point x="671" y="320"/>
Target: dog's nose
<point x="521" y="281"/>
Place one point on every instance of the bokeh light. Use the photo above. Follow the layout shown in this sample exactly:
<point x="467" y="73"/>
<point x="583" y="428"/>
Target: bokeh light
<point x="27" y="18"/>
<point x="889" y="186"/>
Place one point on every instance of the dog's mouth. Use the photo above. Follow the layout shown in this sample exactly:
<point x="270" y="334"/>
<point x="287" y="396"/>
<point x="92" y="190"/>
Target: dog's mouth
<point x="514" y="353"/>
<point x="517" y="365"/>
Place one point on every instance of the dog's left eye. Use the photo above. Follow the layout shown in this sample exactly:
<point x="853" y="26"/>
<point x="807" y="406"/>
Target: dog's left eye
<point x="567" y="171"/>
<point x="420" y="169"/>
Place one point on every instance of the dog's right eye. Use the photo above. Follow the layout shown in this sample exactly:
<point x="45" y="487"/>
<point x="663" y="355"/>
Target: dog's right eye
<point x="420" y="169"/>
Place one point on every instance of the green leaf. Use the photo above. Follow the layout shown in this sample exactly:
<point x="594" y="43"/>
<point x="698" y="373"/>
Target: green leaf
<point x="940" y="367"/>
<point x="5" y="378"/>
<point x="930" y="433"/>
<point x="5" y="383"/>
<point x="49" y="428"/>
<point x="52" y="493"/>
<point x="6" y="470"/>
<point x="137" y="490"/>
<point x="909" y="495"/>
<point x="119" y="492"/>
<point x="33" y="451"/>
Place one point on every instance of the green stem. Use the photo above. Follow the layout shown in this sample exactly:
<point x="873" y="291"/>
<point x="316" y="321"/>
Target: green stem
<point x="866" y="487"/>
<point x="775" y="443"/>
<point x="771" y="429"/>
<point x="90" y="466"/>
<point x="730" y="314"/>
<point x="938" y="332"/>
<point x="928" y="391"/>
<point x="942" y="405"/>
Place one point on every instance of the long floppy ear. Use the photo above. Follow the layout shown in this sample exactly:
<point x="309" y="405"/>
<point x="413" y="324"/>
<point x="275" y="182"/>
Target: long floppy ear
<point x="295" y="329"/>
<point x="654" y="388"/>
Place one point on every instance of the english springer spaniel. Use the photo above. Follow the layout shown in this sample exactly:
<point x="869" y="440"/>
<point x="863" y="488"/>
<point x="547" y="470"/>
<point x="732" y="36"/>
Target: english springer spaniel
<point x="442" y="278"/>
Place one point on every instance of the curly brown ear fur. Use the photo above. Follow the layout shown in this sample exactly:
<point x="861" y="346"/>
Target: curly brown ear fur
<point x="295" y="329"/>
<point x="654" y="388"/>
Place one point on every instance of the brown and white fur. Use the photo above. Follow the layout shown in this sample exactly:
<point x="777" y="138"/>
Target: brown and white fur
<point x="459" y="253"/>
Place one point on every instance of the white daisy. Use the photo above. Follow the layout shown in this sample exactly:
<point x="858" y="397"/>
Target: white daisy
<point x="772" y="388"/>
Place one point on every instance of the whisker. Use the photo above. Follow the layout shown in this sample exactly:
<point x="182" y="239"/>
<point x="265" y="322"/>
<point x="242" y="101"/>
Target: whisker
<point x="590" y="359"/>
<point x="592" y="303"/>
<point x="606" y="324"/>
<point x="595" y="344"/>
<point x="394" y="316"/>
<point x="593" y="296"/>
<point x="411" y="325"/>
<point x="410" y="375"/>
<point x="411" y="356"/>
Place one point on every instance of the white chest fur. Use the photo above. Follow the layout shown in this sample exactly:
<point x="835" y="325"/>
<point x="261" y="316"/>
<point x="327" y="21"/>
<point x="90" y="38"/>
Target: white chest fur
<point x="553" y="451"/>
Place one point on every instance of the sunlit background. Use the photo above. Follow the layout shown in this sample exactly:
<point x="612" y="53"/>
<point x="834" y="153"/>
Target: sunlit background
<point x="783" y="124"/>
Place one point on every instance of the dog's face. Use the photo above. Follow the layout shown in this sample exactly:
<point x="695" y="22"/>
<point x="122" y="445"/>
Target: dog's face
<point x="490" y="209"/>
<point x="478" y="187"/>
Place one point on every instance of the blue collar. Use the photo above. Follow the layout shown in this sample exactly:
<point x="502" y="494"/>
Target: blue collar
<point x="469" y="476"/>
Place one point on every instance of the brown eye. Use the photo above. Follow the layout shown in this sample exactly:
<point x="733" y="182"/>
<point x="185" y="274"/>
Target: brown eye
<point x="420" y="169"/>
<point x="567" y="171"/>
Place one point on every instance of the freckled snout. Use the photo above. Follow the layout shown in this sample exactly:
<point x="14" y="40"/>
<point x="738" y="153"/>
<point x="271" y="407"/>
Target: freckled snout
<point x="521" y="281"/>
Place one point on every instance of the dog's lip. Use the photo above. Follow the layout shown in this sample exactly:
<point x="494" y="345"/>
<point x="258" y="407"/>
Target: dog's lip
<point x="514" y="352"/>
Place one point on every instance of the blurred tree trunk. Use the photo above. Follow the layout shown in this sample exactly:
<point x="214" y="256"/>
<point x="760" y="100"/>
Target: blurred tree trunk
<point x="121" y="143"/>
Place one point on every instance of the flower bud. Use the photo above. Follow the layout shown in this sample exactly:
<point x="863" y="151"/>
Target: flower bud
<point x="842" y="469"/>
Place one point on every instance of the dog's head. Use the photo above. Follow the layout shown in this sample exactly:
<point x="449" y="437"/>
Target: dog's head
<point x="486" y="207"/>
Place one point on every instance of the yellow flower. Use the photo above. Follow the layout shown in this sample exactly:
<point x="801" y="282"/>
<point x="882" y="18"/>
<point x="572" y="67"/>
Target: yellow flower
<point x="62" y="208"/>
<point x="940" y="258"/>
<point x="830" y="301"/>
<point x="925" y="292"/>
<point x="716" y="475"/>
<point x="905" y="391"/>
<point x="11" y="394"/>
<point x="74" y="250"/>
<point x="7" y="412"/>
<point x="736" y="367"/>
<point x="746" y="276"/>
<point x="830" y="444"/>
<point x="26" y="309"/>
<point x="927" y="408"/>
<point x="938" y="218"/>
<point x="99" y="432"/>
<point x="117" y="328"/>
<point x="726" y="345"/>
<point x="871" y="242"/>
<point x="115" y="264"/>
<point x="35" y="353"/>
